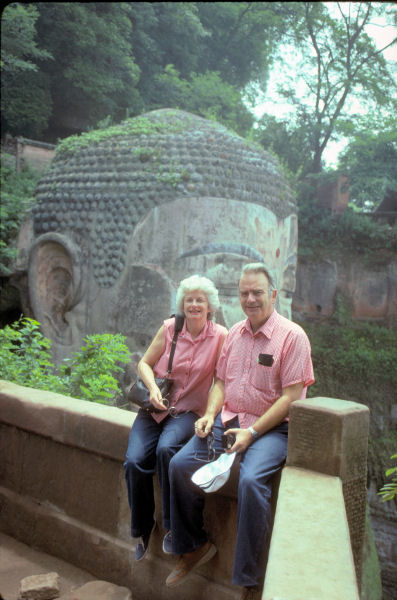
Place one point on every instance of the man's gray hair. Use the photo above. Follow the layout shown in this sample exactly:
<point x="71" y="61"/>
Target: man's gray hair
<point x="198" y="282"/>
<point x="259" y="267"/>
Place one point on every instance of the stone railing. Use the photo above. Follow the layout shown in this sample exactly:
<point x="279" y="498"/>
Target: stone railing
<point x="62" y="490"/>
<point x="316" y="549"/>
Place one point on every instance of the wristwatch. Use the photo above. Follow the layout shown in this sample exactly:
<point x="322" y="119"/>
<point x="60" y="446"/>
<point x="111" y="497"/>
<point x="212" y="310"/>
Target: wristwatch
<point x="254" y="433"/>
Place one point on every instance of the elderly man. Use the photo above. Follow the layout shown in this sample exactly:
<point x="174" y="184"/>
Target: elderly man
<point x="264" y="366"/>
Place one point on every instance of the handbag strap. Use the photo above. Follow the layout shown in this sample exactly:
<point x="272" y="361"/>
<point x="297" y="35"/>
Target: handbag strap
<point x="179" y="320"/>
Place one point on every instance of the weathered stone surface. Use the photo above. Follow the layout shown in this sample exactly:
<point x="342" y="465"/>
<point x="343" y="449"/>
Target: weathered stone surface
<point x="119" y="223"/>
<point x="310" y="555"/>
<point x="40" y="587"/>
<point x="371" y="292"/>
<point x="101" y="590"/>
<point x="330" y="436"/>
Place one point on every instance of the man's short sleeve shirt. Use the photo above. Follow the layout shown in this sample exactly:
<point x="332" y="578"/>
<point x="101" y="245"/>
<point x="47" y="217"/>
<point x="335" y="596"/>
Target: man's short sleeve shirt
<point x="250" y="387"/>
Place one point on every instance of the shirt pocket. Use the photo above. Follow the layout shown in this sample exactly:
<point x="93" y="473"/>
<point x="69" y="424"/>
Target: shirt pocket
<point x="262" y="377"/>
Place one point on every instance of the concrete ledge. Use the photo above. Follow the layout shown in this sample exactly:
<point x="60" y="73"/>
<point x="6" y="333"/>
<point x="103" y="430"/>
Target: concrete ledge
<point x="78" y="423"/>
<point x="310" y="554"/>
<point x="63" y="491"/>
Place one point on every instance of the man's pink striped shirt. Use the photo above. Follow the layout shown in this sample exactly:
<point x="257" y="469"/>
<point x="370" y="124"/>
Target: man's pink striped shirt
<point x="251" y="388"/>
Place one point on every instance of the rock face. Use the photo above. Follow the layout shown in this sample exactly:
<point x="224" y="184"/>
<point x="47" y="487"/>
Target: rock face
<point x="123" y="216"/>
<point x="370" y="291"/>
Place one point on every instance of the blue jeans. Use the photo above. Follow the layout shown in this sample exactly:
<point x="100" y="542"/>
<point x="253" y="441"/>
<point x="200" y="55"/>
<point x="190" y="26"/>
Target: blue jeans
<point x="258" y="463"/>
<point x="151" y="446"/>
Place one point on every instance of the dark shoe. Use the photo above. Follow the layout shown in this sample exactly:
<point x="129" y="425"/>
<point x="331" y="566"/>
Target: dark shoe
<point x="251" y="593"/>
<point x="190" y="561"/>
<point x="167" y="543"/>
<point x="142" y="544"/>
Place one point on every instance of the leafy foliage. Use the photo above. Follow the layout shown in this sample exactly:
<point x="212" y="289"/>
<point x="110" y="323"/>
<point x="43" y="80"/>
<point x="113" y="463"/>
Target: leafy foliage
<point x="25" y="357"/>
<point x="17" y="196"/>
<point x="370" y="160"/>
<point x="114" y="59"/>
<point x="89" y="375"/>
<point x="389" y="490"/>
<point x="205" y="94"/>
<point x="335" y="61"/>
<point x="344" y="354"/>
<point x="321" y="232"/>
<point x="356" y="362"/>
<point x="25" y="101"/>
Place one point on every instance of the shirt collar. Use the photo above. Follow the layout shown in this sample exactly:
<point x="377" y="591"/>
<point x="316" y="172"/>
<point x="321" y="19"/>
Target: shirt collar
<point x="266" y="329"/>
<point x="207" y="331"/>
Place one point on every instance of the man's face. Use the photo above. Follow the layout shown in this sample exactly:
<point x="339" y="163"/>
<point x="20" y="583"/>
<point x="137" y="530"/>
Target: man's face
<point x="256" y="301"/>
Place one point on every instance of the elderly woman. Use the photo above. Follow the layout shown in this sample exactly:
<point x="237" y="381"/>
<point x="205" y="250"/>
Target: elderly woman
<point x="156" y="437"/>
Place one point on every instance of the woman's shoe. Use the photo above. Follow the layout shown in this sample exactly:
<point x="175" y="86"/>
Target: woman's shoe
<point x="142" y="544"/>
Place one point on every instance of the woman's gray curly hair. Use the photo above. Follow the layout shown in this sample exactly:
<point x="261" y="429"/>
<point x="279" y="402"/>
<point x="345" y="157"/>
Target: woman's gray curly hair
<point x="205" y="285"/>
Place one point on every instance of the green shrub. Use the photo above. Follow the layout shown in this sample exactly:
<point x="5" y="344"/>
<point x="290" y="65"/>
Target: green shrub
<point x="89" y="374"/>
<point x="17" y="196"/>
<point x="25" y="357"/>
<point x="353" y="361"/>
<point x="389" y="490"/>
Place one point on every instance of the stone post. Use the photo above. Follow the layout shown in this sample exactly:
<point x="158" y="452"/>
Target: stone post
<point x="331" y="436"/>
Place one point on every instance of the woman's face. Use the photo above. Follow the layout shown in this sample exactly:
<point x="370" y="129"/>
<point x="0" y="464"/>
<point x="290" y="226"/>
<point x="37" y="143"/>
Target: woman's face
<point x="195" y="306"/>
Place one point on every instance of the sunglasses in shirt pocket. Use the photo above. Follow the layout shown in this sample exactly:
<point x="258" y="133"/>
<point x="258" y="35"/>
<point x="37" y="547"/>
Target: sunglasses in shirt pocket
<point x="263" y="372"/>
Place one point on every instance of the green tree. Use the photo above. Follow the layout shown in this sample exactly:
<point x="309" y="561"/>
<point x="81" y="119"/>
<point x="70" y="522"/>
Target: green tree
<point x="113" y="60"/>
<point x="200" y="56"/>
<point x="205" y="94"/>
<point x="370" y="160"/>
<point x="93" y="73"/>
<point x="25" y="98"/>
<point x="290" y="142"/>
<point x="338" y="62"/>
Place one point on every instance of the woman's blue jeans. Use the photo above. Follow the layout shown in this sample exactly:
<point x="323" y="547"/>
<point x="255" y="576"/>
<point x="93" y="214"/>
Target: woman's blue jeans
<point x="151" y="446"/>
<point x="259" y="462"/>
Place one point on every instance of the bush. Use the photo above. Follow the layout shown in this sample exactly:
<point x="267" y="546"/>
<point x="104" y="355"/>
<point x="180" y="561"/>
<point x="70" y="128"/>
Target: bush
<point x="25" y="357"/>
<point x="356" y="362"/>
<point x="389" y="490"/>
<point x="17" y="196"/>
<point x="88" y="375"/>
<point x="321" y="232"/>
<point x="353" y="361"/>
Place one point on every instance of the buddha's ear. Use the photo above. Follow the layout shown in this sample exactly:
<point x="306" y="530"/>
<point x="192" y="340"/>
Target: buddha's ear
<point x="54" y="276"/>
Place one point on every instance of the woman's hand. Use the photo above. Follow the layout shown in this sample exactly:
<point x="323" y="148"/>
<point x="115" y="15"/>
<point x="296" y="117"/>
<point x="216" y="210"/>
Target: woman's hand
<point x="203" y="426"/>
<point x="156" y="398"/>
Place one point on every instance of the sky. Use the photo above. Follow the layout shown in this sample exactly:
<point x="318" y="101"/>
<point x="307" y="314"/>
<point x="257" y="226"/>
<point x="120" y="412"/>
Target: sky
<point x="274" y="105"/>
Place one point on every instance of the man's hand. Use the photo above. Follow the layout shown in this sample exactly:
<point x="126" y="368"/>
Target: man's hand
<point x="203" y="426"/>
<point x="243" y="440"/>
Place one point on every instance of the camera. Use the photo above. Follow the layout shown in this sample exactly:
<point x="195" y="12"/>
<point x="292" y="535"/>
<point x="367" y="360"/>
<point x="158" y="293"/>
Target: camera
<point x="228" y="440"/>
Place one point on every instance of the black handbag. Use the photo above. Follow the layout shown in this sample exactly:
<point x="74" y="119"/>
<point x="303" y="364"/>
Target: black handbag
<point x="139" y="394"/>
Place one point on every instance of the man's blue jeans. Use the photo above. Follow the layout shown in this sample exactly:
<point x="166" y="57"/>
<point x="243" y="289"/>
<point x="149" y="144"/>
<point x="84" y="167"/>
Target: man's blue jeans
<point x="151" y="446"/>
<point x="259" y="462"/>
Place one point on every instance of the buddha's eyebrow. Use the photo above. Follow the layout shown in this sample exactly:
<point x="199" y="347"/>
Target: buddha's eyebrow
<point x="224" y="248"/>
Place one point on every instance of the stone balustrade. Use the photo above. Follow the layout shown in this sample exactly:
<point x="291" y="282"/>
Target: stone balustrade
<point x="62" y="490"/>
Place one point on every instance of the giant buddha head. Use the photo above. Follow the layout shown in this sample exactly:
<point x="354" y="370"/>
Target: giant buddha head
<point x="123" y="214"/>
